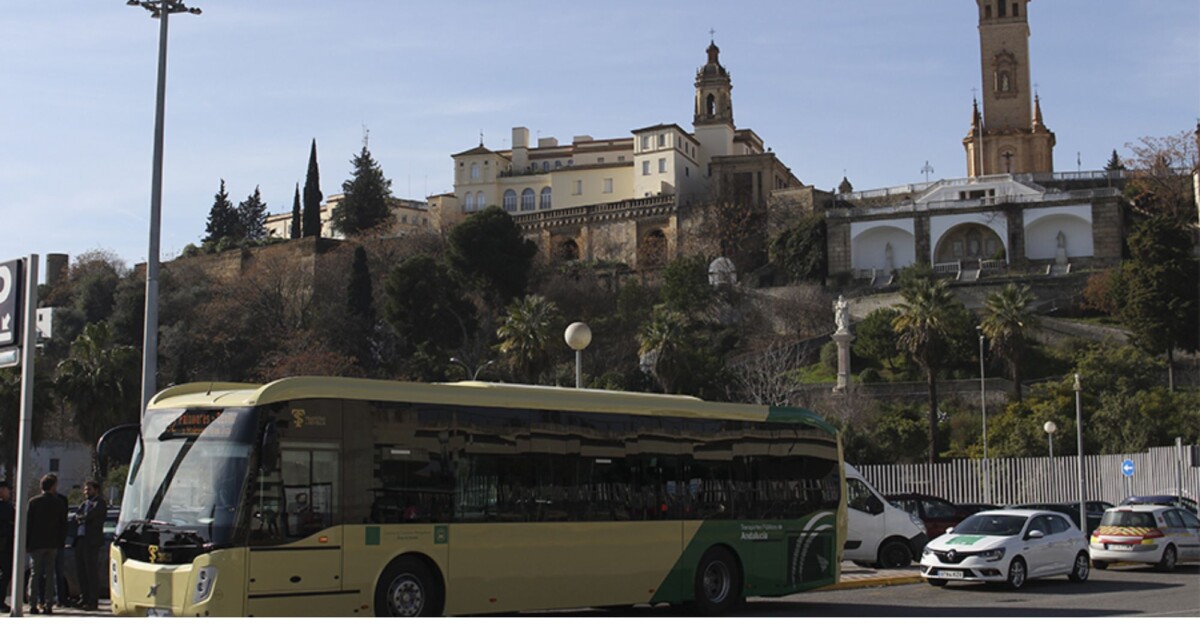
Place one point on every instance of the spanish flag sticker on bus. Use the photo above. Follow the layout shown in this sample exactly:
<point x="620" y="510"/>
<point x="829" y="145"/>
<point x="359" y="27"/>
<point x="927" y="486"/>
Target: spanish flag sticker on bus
<point x="441" y="534"/>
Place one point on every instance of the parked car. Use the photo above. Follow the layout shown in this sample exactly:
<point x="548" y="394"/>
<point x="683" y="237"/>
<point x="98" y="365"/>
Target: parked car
<point x="878" y="534"/>
<point x="70" y="571"/>
<point x="1157" y="534"/>
<point x="1093" y="509"/>
<point x="938" y="514"/>
<point x="1162" y="499"/>
<point x="1007" y="546"/>
<point x="973" y="508"/>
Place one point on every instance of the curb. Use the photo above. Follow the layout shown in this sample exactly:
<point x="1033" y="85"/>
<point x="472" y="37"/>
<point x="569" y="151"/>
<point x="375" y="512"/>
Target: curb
<point x="873" y="582"/>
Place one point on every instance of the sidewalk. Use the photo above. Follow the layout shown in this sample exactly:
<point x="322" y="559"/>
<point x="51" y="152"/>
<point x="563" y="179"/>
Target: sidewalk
<point x="854" y="576"/>
<point x="104" y="610"/>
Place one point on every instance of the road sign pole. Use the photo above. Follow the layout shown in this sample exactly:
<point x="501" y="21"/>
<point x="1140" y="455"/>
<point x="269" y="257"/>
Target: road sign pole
<point x="29" y="350"/>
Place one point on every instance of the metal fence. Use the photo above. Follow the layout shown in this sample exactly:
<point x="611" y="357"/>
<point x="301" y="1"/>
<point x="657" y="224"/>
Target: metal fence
<point x="1020" y="480"/>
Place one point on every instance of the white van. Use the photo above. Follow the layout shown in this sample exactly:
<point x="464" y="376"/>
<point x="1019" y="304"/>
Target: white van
<point x="878" y="533"/>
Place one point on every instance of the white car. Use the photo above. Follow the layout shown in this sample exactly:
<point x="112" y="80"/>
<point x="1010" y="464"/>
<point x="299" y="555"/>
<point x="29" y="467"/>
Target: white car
<point x="1007" y="546"/>
<point x="1157" y="534"/>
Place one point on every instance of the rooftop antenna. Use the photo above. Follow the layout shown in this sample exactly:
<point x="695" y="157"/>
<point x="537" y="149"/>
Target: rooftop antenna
<point x="366" y="136"/>
<point x="927" y="169"/>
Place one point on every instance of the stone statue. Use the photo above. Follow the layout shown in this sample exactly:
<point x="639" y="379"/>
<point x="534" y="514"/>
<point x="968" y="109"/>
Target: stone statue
<point x="1060" y="252"/>
<point x="889" y="260"/>
<point x="841" y="315"/>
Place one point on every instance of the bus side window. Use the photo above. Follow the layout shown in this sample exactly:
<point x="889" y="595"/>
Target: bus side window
<point x="310" y="480"/>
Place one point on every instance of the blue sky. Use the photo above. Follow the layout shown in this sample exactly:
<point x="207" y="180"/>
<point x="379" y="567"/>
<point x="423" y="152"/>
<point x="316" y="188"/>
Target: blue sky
<point x="874" y="88"/>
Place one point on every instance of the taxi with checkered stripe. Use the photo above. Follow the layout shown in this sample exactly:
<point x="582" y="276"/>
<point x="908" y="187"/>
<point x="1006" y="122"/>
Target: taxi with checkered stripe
<point x="1156" y="534"/>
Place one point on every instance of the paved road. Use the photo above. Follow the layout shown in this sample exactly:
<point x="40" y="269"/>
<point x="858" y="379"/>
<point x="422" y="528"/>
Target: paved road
<point x="1133" y="591"/>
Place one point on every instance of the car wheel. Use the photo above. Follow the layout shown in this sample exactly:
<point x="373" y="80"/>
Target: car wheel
<point x="1100" y="565"/>
<point x="937" y="582"/>
<point x="718" y="582"/>
<point x="894" y="555"/>
<point x="408" y="589"/>
<point x="1081" y="569"/>
<point x="1017" y="573"/>
<point x="1169" y="559"/>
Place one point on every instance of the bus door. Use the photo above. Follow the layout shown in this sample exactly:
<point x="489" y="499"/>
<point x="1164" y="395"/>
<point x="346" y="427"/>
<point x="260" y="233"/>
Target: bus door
<point x="296" y="533"/>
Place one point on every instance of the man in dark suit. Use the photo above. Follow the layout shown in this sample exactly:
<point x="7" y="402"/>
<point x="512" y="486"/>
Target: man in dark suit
<point x="8" y="519"/>
<point x="89" y="539"/>
<point x="47" y="520"/>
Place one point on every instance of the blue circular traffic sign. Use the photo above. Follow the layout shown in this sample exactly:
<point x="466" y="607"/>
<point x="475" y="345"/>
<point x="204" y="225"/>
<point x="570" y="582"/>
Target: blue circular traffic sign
<point x="1127" y="467"/>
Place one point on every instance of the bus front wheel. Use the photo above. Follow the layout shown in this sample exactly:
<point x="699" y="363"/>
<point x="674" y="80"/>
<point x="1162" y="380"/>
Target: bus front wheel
<point x="718" y="582"/>
<point x="408" y="589"/>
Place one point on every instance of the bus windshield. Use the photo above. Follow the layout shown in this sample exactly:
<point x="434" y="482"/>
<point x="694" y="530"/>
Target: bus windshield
<point x="188" y="473"/>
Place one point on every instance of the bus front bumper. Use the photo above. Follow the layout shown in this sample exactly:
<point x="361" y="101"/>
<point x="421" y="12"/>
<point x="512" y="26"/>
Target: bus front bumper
<point x="211" y="585"/>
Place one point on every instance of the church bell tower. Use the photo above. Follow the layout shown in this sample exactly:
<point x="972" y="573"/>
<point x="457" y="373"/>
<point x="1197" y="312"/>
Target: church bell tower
<point x="1008" y="136"/>
<point x="713" y="121"/>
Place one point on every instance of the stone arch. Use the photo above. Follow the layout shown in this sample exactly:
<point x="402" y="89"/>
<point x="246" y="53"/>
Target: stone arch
<point x="1041" y="236"/>
<point x="567" y="250"/>
<point x="652" y="249"/>
<point x="869" y="249"/>
<point x="969" y="241"/>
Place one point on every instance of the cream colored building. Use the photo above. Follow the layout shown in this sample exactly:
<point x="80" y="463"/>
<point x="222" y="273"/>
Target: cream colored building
<point x="623" y="198"/>
<point x="408" y="215"/>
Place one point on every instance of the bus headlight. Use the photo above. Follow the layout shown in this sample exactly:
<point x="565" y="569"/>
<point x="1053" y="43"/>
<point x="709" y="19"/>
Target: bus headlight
<point x="205" y="580"/>
<point x="114" y="572"/>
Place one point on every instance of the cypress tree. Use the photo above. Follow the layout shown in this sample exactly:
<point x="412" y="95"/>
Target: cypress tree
<point x="296" y="223"/>
<point x="364" y="204"/>
<point x="222" y="218"/>
<point x="1114" y="163"/>
<point x="252" y="217"/>
<point x="312" y="196"/>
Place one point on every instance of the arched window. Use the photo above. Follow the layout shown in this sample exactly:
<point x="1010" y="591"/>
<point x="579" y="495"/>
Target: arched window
<point x="546" y="166"/>
<point x="474" y="171"/>
<point x="469" y="204"/>
<point x="480" y="204"/>
<point x="527" y="199"/>
<point x="558" y="164"/>
<point x="710" y="105"/>
<point x="510" y="200"/>
<point x="546" y="196"/>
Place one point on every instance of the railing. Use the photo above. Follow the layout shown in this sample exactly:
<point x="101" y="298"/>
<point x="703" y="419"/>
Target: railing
<point x="909" y="205"/>
<point x="1023" y="480"/>
<point x="947" y="268"/>
<point x="593" y="211"/>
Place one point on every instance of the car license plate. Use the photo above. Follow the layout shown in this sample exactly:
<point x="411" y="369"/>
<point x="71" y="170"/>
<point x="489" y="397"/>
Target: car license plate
<point x="1120" y="546"/>
<point x="950" y="574"/>
<point x="152" y="612"/>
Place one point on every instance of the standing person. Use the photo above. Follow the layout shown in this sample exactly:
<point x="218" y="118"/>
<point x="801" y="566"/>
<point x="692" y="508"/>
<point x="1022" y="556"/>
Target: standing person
<point x="8" y="519"/>
<point x="47" y="520"/>
<point x="89" y="538"/>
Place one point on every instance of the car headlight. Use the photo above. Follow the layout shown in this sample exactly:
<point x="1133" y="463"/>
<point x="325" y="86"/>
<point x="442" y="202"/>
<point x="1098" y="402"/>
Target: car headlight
<point x="114" y="571"/>
<point x="205" y="579"/>
<point x="995" y="554"/>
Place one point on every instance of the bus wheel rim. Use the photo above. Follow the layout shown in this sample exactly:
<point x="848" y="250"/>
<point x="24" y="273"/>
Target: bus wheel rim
<point x="407" y="597"/>
<point x="717" y="582"/>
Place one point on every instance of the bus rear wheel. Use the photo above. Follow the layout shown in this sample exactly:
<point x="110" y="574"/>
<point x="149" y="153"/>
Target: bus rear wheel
<point x="408" y="589"/>
<point x="718" y="586"/>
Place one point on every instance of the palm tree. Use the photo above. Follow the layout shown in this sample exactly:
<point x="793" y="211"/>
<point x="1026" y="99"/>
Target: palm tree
<point x="99" y="380"/>
<point x="922" y="331"/>
<point x="527" y="330"/>
<point x="662" y="342"/>
<point x="1006" y="323"/>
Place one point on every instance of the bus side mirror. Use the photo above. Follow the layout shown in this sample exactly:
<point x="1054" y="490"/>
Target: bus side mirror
<point x="269" y="456"/>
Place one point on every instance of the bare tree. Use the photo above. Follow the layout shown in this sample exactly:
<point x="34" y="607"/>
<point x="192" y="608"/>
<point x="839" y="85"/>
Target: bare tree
<point x="766" y="378"/>
<point x="1162" y="171"/>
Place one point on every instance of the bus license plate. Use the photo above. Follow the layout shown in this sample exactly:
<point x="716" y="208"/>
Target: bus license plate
<point x="152" y="612"/>
<point x="950" y="574"/>
<point x="1120" y="546"/>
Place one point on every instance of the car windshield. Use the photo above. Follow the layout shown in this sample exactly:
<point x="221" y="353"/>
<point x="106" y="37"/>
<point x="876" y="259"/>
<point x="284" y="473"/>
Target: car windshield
<point x="1139" y="519"/>
<point x="991" y="524"/>
<point x="188" y="472"/>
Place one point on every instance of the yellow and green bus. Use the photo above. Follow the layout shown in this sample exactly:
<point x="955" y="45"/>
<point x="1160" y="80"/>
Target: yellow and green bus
<point x="341" y="497"/>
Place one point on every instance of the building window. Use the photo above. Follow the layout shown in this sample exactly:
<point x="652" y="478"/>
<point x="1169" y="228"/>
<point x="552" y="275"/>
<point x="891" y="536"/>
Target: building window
<point x="687" y="172"/>
<point x="645" y="142"/>
<point x="662" y="165"/>
<point x="645" y="167"/>
<point x="579" y="187"/>
<point x="469" y="204"/>
<point x="546" y="166"/>
<point x="54" y="464"/>
<point x="546" y="196"/>
<point x="987" y="11"/>
<point x="1001" y="5"/>
<point x="662" y="140"/>
<point x="570" y="162"/>
<point x="480" y="203"/>
<point x="608" y="185"/>
<point x="558" y="164"/>
<point x="1016" y="11"/>
<point x="600" y="160"/>
<point x="474" y="171"/>
<point x="620" y="159"/>
<point x="527" y="199"/>
<point x="510" y="200"/>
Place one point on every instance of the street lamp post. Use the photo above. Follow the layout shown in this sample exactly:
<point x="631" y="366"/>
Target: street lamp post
<point x="987" y="477"/>
<point x="1079" y="446"/>
<point x="1050" y="428"/>
<point x="473" y="374"/>
<point x="161" y="9"/>
<point x="578" y="337"/>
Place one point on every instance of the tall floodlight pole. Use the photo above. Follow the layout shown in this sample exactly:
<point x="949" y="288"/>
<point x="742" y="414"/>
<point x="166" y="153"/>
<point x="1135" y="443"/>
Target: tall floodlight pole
<point x="161" y="9"/>
<point x="987" y="477"/>
<point x="1079" y="456"/>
